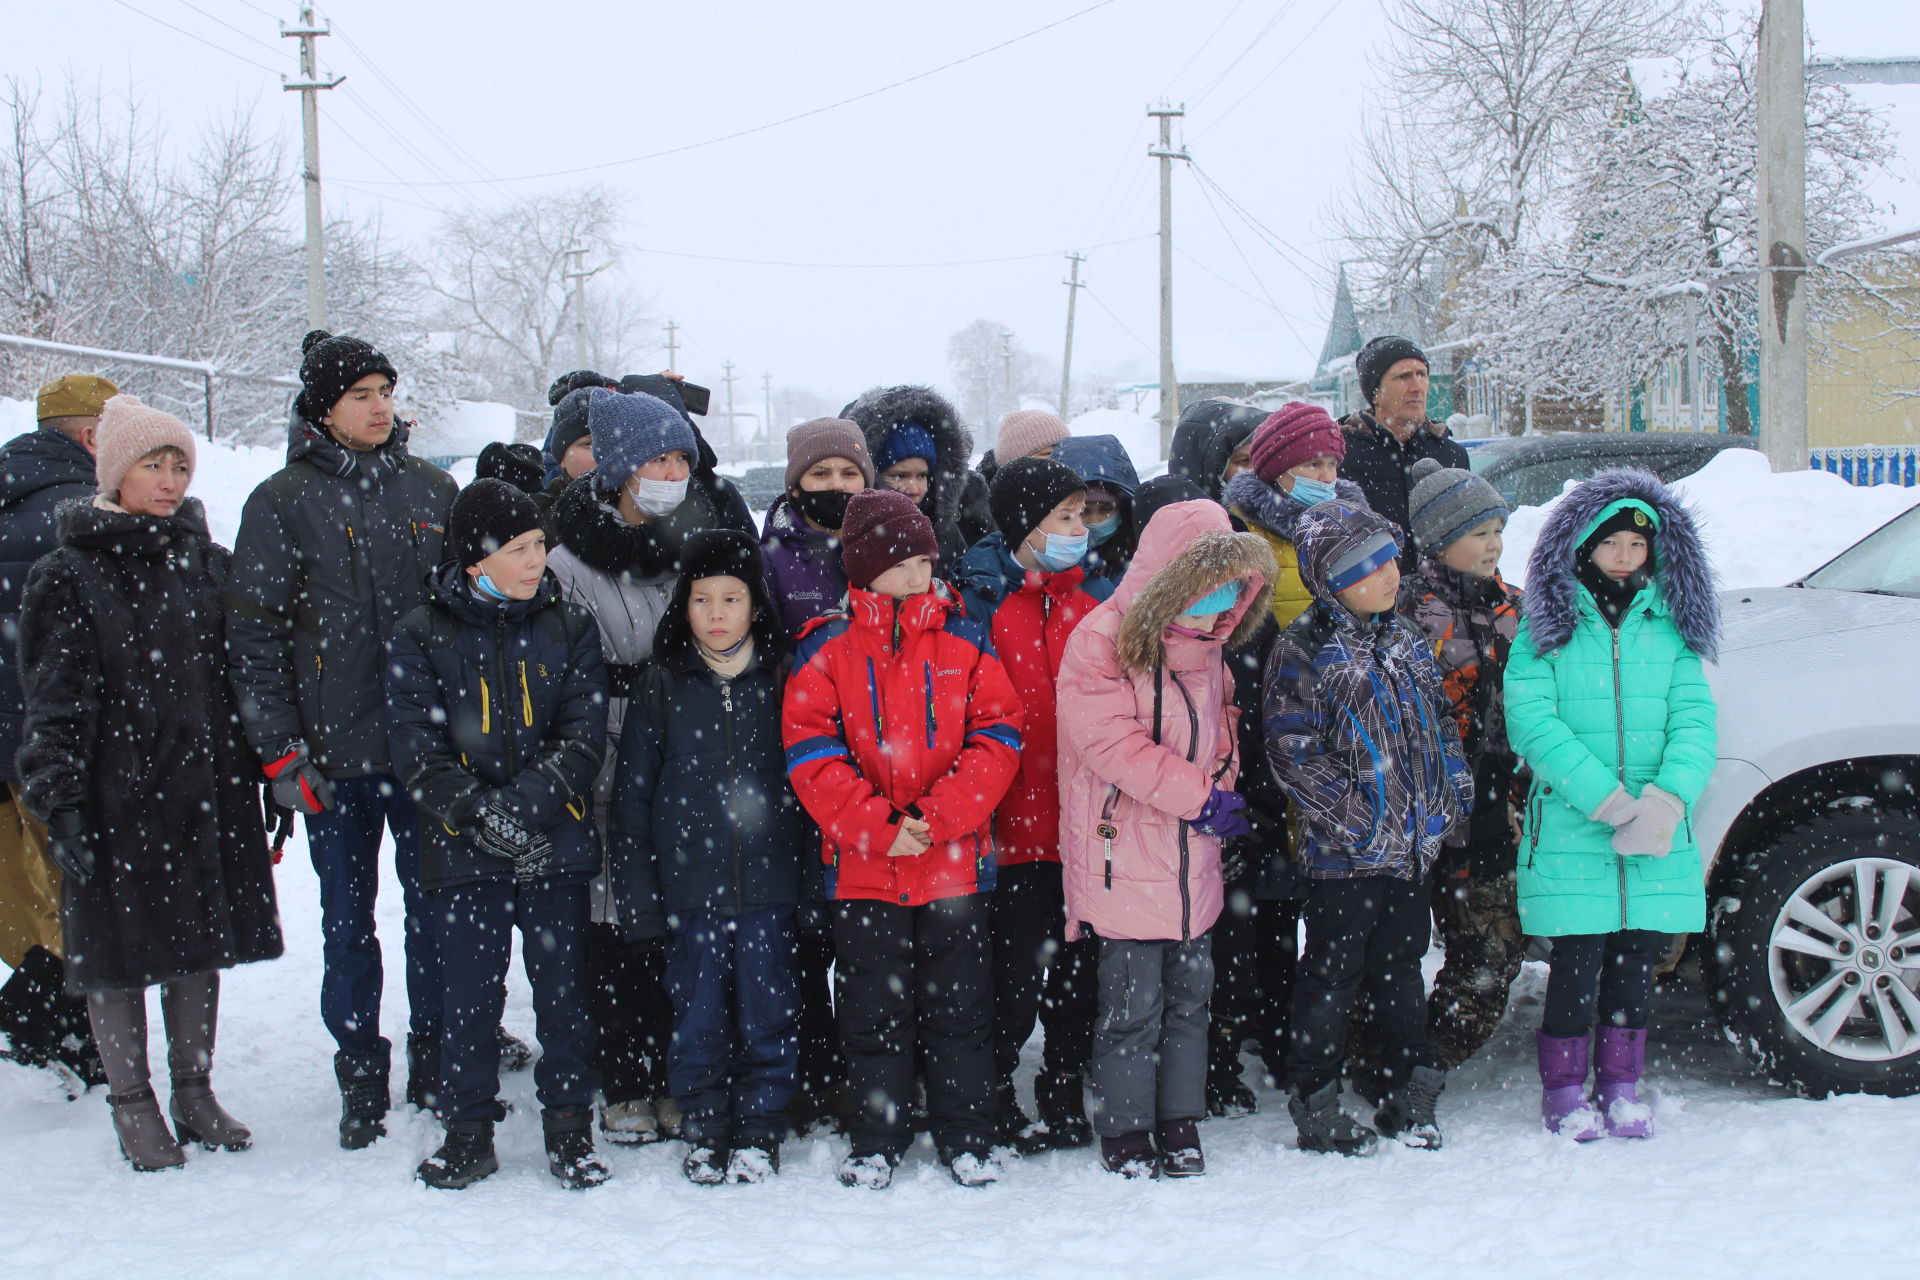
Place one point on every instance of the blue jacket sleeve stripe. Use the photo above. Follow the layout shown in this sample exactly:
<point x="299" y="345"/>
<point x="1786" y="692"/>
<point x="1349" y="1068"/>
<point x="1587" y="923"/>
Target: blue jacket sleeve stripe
<point x="999" y="733"/>
<point x="814" y="749"/>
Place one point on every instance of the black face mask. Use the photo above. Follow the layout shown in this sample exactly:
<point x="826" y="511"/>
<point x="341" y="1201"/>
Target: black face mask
<point x="1614" y="597"/>
<point x="825" y="507"/>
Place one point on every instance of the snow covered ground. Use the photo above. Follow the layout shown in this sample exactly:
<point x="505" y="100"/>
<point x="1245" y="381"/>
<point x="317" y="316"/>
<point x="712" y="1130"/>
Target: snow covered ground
<point x="1743" y="1181"/>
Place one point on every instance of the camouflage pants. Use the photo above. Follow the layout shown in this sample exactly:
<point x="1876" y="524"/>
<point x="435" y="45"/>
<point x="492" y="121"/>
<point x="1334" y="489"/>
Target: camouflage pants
<point x="1480" y="928"/>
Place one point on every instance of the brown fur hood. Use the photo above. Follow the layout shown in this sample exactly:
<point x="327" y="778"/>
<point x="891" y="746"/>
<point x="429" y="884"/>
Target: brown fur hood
<point x="1186" y="551"/>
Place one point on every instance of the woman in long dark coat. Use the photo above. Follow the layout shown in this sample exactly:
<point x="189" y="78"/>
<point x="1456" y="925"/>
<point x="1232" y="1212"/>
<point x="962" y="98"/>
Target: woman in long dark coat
<point x="135" y="759"/>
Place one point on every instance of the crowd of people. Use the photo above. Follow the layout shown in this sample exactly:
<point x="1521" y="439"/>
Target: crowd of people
<point x="811" y="824"/>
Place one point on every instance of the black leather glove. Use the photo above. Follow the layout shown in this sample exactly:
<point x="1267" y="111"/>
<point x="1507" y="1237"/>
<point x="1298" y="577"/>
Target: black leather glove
<point x="68" y="845"/>
<point x="297" y="785"/>
<point x="499" y="832"/>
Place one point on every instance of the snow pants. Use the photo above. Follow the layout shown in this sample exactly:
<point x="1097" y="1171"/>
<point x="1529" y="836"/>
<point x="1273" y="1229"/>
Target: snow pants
<point x="1367" y="932"/>
<point x="1479" y="921"/>
<point x="632" y="1017"/>
<point x="736" y="1008"/>
<point x="916" y="974"/>
<point x="476" y="923"/>
<point x="1613" y="969"/>
<point x="1038" y="974"/>
<point x="1150" y="1039"/>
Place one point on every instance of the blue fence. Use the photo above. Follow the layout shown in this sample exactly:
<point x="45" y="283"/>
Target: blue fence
<point x="1871" y="463"/>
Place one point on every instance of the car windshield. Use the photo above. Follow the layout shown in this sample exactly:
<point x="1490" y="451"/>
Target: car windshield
<point x="1886" y="560"/>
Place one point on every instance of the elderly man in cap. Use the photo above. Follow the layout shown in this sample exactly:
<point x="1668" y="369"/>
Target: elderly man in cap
<point x="1390" y="435"/>
<point x="39" y="1023"/>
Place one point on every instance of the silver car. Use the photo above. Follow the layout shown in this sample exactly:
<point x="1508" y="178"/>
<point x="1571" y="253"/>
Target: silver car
<point x="1813" y="822"/>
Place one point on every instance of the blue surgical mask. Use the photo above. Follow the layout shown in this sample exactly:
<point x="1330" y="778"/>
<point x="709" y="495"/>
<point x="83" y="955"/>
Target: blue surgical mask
<point x="1218" y="600"/>
<point x="1097" y="534"/>
<point x="1062" y="552"/>
<point x="484" y="585"/>
<point x="1310" y="491"/>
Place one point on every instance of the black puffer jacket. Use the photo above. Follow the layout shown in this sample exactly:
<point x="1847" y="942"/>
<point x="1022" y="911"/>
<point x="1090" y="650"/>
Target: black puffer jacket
<point x="131" y="724"/>
<point x="334" y="549"/>
<point x="510" y="696"/>
<point x="703" y="816"/>
<point x="38" y="471"/>
<point x="1382" y="467"/>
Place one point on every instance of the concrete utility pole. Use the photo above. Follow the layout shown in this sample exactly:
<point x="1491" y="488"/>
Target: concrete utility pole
<point x="1066" y="361"/>
<point x="1006" y="368"/>
<point x="673" y="345"/>
<point x="733" y="429"/>
<point x="1782" y="118"/>
<point x="578" y="273"/>
<point x="1169" y="384"/>
<point x="766" y="394"/>
<point x="308" y="87"/>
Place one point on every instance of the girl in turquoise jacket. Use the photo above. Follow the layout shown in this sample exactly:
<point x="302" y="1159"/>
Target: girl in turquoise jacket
<point x="1607" y="701"/>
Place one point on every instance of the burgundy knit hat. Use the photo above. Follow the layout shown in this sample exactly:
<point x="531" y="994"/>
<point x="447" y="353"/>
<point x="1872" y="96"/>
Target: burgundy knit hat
<point x="882" y="528"/>
<point x="1292" y="434"/>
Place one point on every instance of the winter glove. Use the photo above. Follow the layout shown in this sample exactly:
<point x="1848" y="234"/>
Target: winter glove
<point x="1615" y="809"/>
<point x="500" y="833"/>
<point x="1222" y="815"/>
<point x="1233" y="861"/>
<point x="1648" y="830"/>
<point x="279" y="824"/>
<point x="297" y="785"/>
<point x="68" y="846"/>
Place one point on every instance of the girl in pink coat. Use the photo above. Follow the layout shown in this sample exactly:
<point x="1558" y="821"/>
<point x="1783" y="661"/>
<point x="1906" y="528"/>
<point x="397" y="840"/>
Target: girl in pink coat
<point x="1147" y="769"/>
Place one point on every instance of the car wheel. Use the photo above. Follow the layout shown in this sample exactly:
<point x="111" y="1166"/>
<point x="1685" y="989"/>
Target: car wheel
<point x="1815" y="963"/>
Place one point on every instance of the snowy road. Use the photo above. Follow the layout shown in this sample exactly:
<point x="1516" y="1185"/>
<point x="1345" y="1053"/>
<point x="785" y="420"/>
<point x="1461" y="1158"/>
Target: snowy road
<point x="1743" y="1182"/>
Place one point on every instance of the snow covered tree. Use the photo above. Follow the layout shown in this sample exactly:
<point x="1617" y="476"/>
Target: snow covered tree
<point x="978" y="357"/>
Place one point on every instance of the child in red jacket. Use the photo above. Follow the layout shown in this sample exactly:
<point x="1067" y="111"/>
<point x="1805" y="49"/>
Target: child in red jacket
<point x="902" y="734"/>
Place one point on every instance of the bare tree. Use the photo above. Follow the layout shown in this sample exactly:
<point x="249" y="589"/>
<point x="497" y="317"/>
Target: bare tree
<point x="993" y="372"/>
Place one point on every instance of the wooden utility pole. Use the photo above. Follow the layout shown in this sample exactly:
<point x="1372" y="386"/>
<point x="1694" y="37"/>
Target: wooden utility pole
<point x="1782" y="118"/>
<point x="1169" y="383"/>
<point x="673" y="345"/>
<point x="308" y="86"/>
<point x="1066" y="361"/>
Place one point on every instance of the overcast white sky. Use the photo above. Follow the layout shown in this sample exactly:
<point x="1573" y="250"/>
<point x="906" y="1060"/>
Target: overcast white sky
<point x="1034" y="149"/>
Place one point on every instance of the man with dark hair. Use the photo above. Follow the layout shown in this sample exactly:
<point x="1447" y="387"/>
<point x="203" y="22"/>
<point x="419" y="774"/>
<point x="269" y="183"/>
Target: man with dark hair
<point x="39" y="470"/>
<point x="1386" y="439"/>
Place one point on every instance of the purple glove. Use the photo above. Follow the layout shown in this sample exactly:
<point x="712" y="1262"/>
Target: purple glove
<point x="1223" y="815"/>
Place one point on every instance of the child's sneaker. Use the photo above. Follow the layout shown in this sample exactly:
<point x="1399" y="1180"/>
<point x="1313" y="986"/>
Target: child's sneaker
<point x="629" y="1122"/>
<point x="1324" y="1126"/>
<point x="666" y="1114"/>
<point x="1408" y="1113"/>
<point x="971" y="1169"/>
<point x="753" y="1162"/>
<point x="1180" y="1154"/>
<point x="570" y="1154"/>
<point x="463" y="1159"/>
<point x="705" y="1166"/>
<point x="871" y="1172"/>
<point x="1131" y="1155"/>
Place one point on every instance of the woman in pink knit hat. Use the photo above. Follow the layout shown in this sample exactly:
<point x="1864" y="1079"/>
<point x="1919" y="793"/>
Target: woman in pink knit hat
<point x="135" y="760"/>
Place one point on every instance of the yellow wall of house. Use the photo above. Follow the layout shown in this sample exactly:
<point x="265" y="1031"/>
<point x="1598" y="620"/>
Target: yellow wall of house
<point x="1848" y="403"/>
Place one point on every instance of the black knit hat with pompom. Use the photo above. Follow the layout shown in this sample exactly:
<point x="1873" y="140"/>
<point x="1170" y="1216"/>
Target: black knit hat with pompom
<point x="330" y="366"/>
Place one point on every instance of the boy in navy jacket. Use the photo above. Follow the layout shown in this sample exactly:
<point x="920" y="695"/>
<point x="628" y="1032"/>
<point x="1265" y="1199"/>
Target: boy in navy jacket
<point x="709" y="846"/>
<point x="497" y="721"/>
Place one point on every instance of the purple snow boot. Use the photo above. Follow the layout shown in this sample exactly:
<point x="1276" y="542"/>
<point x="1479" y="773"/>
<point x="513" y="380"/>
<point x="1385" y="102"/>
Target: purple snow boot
<point x="1618" y="1059"/>
<point x="1564" y="1108"/>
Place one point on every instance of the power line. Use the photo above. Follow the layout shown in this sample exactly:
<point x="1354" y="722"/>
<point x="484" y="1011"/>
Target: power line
<point x="1101" y="303"/>
<point x="880" y="266"/>
<point x="1270" y="72"/>
<point x="1285" y="317"/>
<point x="452" y="144"/>
<point x="1240" y="57"/>
<point x="1266" y="233"/>
<point x="1195" y="55"/>
<point x="194" y="36"/>
<point x="771" y="124"/>
<point x="244" y="35"/>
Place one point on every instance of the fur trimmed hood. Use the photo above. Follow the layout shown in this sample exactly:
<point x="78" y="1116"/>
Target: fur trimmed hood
<point x="1682" y="571"/>
<point x="1186" y="551"/>
<point x="877" y="410"/>
<point x="1257" y="502"/>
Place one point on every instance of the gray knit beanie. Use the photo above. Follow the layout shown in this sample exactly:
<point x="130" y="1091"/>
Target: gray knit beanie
<point x="1446" y="502"/>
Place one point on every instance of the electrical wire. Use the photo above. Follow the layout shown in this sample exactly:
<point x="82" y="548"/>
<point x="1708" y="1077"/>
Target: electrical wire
<point x="195" y="36"/>
<point x="1286" y="317"/>
<point x="771" y="124"/>
<point x="1100" y="302"/>
<point x="446" y="139"/>
<point x="1240" y="57"/>
<point x="1204" y="44"/>
<point x="1272" y="71"/>
<point x="1266" y="233"/>
<point x="880" y="266"/>
<point x="276" y="50"/>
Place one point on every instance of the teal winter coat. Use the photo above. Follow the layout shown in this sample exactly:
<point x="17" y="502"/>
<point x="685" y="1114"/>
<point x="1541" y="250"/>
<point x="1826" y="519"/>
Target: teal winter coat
<point x="1590" y="708"/>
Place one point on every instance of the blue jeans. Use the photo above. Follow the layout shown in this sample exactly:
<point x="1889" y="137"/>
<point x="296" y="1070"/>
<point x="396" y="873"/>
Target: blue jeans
<point x="475" y="923"/>
<point x="735" y="1054"/>
<point x="345" y="845"/>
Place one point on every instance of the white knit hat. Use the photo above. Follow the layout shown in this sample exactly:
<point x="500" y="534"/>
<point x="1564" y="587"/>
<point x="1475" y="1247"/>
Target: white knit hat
<point x="128" y="432"/>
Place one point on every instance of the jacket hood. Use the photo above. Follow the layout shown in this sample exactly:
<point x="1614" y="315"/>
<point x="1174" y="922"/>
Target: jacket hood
<point x="448" y="587"/>
<point x="1258" y="502"/>
<point x="1099" y="460"/>
<point x="1682" y="571"/>
<point x="312" y="441"/>
<point x="715" y="553"/>
<point x="1233" y="431"/>
<point x="39" y="460"/>
<point x="876" y="412"/>
<point x="1186" y="551"/>
<point x="1328" y="530"/>
<point x="989" y="568"/>
<point x="85" y="523"/>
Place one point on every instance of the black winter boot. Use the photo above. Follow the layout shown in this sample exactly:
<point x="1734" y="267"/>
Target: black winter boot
<point x="463" y="1159"/>
<point x="515" y="1054"/>
<point x="752" y="1162"/>
<point x="42" y="1025"/>
<point x="1180" y="1154"/>
<point x="1408" y="1113"/>
<point x="1323" y="1126"/>
<point x="1010" y="1123"/>
<point x="1228" y="1097"/>
<point x="1062" y="1103"/>
<point x="1131" y="1155"/>
<point x="570" y="1154"/>
<point x="363" y="1102"/>
<point x="704" y="1165"/>
<point x="423" y="1072"/>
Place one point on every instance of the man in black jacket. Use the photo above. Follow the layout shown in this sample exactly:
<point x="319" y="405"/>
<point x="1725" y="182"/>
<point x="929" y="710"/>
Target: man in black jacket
<point x="38" y="471"/>
<point x="334" y="549"/>
<point x="1393" y="432"/>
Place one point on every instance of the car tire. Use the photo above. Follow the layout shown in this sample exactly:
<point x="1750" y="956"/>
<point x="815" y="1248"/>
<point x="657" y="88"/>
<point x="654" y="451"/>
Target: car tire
<point x="1823" y="997"/>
